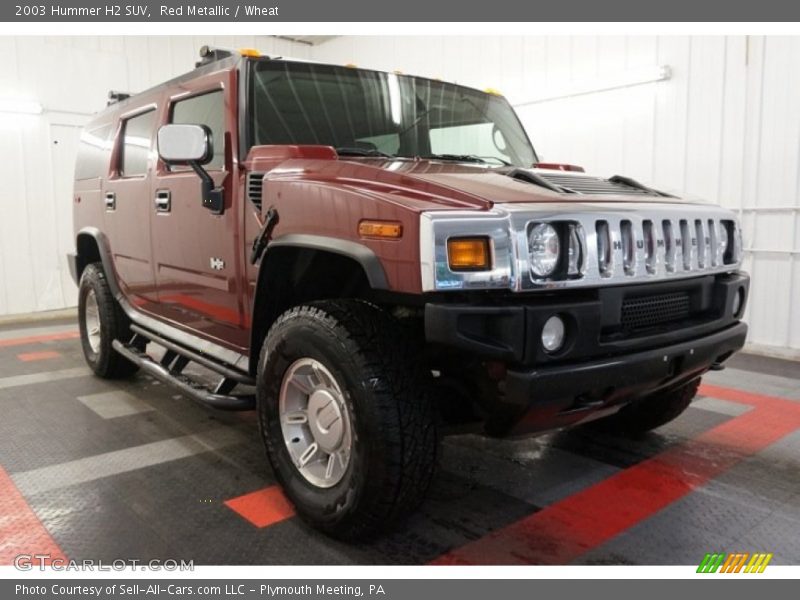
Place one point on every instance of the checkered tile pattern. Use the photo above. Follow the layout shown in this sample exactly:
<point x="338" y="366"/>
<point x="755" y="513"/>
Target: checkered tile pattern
<point x="130" y="469"/>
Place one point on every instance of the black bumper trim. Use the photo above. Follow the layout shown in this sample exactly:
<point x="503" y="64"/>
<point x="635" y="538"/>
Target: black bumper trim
<point x="511" y="332"/>
<point x="559" y="396"/>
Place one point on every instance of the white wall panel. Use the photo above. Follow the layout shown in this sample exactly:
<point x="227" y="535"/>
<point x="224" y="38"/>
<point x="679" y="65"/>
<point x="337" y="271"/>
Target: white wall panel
<point x="724" y="127"/>
<point x="70" y="77"/>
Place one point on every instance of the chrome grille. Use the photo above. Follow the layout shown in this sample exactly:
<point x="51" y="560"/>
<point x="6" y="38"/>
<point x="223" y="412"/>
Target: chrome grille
<point x="255" y="184"/>
<point x="639" y="247"/>
<point x="618" y="243"/>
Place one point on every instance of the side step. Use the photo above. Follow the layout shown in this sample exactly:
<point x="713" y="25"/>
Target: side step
<point x="170" y="371"/>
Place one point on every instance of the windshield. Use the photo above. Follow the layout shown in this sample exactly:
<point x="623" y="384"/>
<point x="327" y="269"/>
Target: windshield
<point x="370" y="113"/>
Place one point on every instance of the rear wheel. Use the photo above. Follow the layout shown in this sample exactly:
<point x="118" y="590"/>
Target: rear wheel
<point x="346" y="415"/>
<point x="101" y="321"/>
<point x="647" y="414"/>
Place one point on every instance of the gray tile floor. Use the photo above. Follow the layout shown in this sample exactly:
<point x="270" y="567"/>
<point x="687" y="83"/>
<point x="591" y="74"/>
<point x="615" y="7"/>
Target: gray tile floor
<point x="133" y="470"/>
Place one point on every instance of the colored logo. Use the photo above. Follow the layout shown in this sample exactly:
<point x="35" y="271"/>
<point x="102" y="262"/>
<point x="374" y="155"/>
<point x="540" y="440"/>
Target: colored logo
<point x="740" y="562"/>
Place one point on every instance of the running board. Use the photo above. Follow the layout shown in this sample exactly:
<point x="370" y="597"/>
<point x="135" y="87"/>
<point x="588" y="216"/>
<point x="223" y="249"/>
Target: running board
<point x="169" y="370"/>
<point x="199" y="358"/>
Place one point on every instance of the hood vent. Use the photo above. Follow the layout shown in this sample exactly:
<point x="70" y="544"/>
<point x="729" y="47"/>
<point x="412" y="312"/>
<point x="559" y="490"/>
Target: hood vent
<point x="255" y="184"/>
<point x="585" y="184"/>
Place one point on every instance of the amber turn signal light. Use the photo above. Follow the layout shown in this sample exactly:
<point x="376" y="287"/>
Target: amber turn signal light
<point x="468" y="254"/>
<point x="380" y="229"/>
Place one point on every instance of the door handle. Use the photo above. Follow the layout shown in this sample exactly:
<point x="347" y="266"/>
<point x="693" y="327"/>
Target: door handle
<point x="111" y="201"/>
<point x="163" y="201"/>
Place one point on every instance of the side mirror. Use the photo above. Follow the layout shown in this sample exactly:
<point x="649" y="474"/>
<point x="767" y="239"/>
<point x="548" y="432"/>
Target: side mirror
<point x="180" y="144"/>
<point x="184" y="144"/>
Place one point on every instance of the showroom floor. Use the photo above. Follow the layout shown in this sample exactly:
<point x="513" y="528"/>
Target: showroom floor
<point x="131" y="470"/>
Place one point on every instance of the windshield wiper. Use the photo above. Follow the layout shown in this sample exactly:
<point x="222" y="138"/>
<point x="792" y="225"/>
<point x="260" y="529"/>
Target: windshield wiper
<point x="348" y="151"/>
<point x="467" y="158"/>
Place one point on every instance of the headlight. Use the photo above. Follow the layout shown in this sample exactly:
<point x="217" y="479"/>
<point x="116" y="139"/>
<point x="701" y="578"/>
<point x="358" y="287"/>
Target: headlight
<point x="543" y="249"/>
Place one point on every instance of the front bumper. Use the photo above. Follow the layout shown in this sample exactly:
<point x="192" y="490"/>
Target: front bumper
<point x="554" y="397"/>
<point x="600" y="366"/>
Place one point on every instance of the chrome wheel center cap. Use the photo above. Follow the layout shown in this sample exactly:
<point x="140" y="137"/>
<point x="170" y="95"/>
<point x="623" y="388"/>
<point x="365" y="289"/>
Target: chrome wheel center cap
<point x="325" y="420"/>
<point x="315" y="422"/>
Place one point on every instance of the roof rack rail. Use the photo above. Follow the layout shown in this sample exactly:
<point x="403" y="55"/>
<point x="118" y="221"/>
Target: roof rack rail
<point x="209" y="54"/>
<point x="115" y="96"/>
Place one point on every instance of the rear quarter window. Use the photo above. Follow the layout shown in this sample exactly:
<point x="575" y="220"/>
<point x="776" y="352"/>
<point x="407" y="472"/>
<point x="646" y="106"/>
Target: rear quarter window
<point x="94" y="152"/>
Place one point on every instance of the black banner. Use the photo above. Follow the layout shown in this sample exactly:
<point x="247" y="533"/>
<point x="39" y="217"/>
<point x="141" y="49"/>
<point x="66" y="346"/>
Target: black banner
<point x="265" y="11"/>
<point x="391" y="589"/>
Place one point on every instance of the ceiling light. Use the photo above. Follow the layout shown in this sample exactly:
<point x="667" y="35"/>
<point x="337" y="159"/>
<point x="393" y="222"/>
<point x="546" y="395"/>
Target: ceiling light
<point x="612" y="81"/>
<point x="18" y="106"/>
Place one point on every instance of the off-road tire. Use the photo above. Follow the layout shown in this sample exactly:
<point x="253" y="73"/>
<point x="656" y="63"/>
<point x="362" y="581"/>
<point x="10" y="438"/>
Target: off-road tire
<point x="645" y="415"/>
<point x="114" y="325"/>
<point x="388" y="395"/>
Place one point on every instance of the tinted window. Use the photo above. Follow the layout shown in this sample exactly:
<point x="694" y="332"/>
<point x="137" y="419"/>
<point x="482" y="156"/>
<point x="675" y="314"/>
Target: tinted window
<point x="94" y="151"/>
<point x="208" y="110"/>
<point x="362" y="112"/>
<point x="137" y="140"/>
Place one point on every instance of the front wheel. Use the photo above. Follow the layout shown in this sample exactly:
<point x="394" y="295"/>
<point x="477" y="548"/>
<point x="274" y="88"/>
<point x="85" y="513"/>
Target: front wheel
<point x="346" y="415"/>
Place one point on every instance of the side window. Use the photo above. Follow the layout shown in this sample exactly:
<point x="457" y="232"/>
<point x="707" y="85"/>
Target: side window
<point x="94" y="151"/>
<point x="209" y="110"/>
<point x="137" y="138"/>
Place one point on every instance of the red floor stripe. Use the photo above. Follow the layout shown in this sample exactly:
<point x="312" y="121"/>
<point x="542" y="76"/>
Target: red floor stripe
<point x="563" y="531"/>
<point x="733" y="395"/>
<point x="21" y="531"/>
<point x="263" y="507"/>
<point x="33" y="356"/>
<point x="35" y="339"/>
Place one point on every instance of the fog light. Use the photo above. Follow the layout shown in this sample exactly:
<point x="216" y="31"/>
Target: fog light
<point x="738" y="300"/>
<point x="553" y="334"/>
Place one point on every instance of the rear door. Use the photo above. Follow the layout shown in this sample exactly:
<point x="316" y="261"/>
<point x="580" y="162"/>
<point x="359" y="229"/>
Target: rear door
<point x="126" y="196"/>
<point x="197" y="254"/>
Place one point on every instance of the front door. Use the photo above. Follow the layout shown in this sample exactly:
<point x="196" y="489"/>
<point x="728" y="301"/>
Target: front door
<point x="126" y="196"/>
<point x="195" y="252"/>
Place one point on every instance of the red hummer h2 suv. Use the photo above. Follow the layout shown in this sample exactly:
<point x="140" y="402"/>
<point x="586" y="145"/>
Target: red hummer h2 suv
<point x="369" y="258"/>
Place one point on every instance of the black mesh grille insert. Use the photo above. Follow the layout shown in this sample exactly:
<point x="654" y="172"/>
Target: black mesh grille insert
<point x="647" y="311"/>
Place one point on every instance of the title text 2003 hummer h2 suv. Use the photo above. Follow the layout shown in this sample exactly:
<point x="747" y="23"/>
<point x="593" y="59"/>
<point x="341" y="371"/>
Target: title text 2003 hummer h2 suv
<point x="362" y="256"/>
